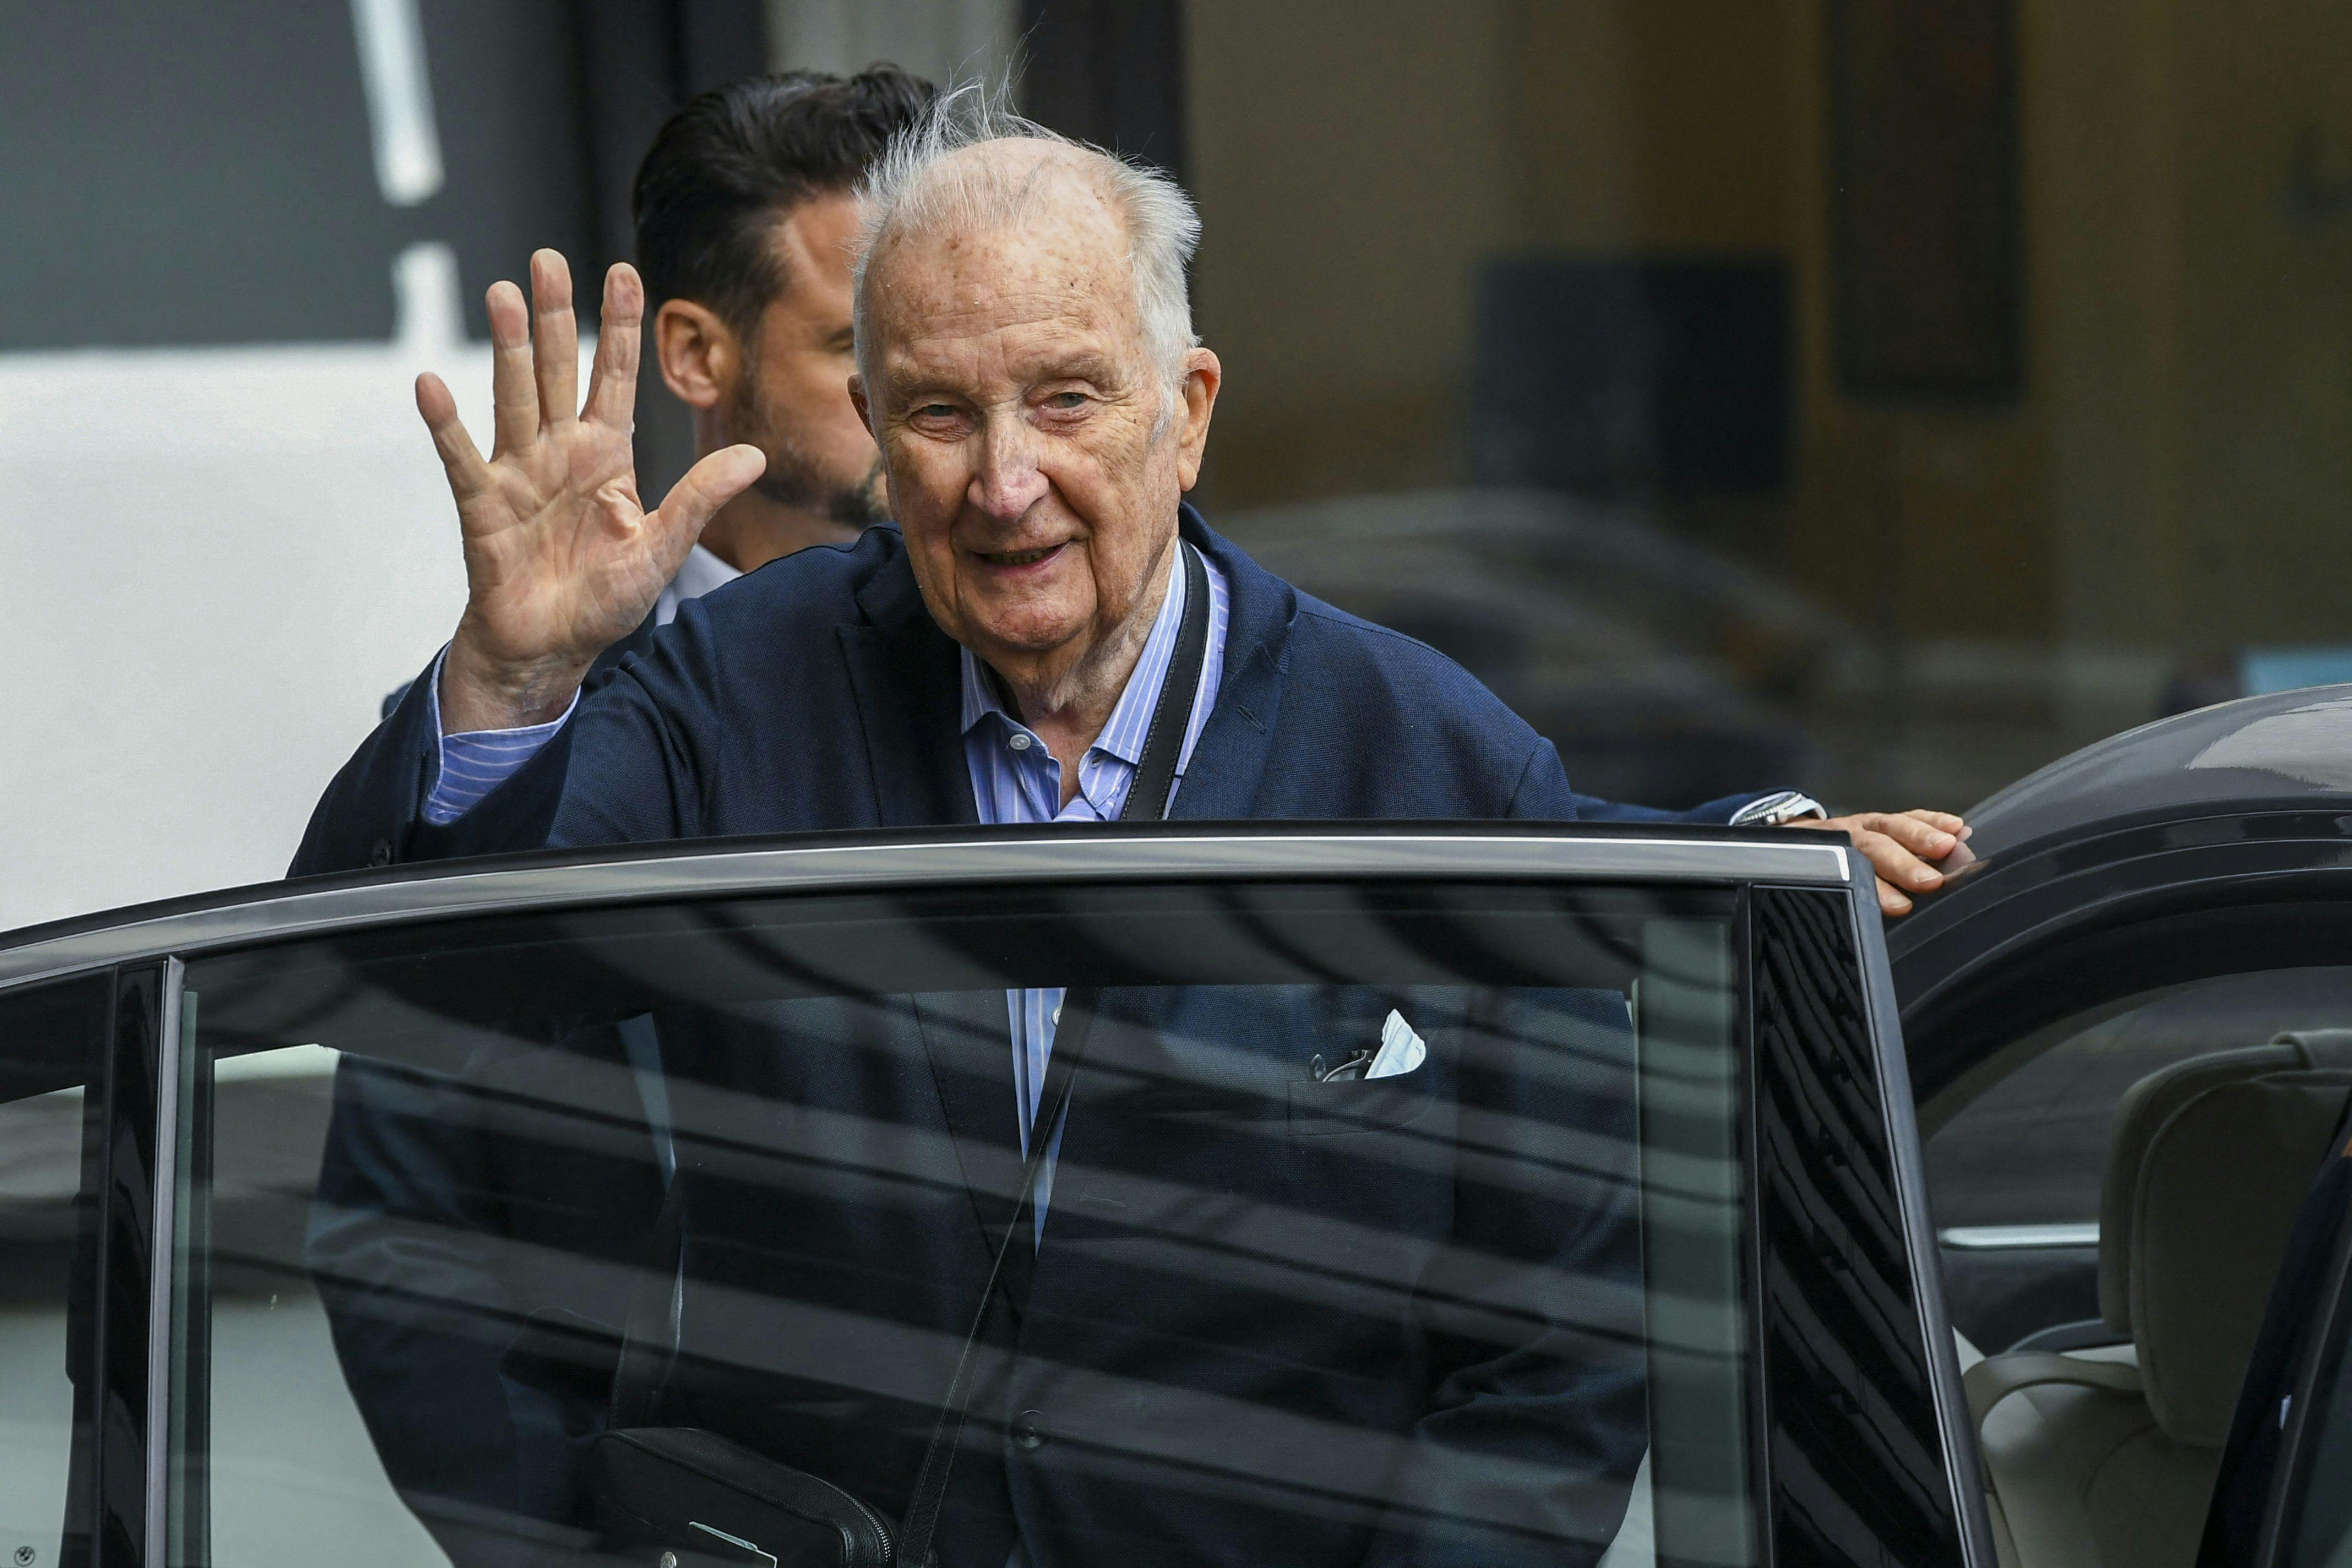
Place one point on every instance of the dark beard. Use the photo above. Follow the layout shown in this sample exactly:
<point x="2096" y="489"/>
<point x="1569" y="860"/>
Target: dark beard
<point x="791" y="479"/>
<point x="862" y="507"/>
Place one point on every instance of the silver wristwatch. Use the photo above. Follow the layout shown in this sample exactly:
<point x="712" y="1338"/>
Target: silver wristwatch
<point x="1772" y="810"/>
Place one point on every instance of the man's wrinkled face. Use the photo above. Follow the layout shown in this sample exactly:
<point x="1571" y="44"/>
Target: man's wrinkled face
<point x="1019" y="417"/>
<point x="794" y="401"/>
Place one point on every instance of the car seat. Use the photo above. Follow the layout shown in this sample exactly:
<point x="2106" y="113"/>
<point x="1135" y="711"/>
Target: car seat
<point x="2105" y="1457"/>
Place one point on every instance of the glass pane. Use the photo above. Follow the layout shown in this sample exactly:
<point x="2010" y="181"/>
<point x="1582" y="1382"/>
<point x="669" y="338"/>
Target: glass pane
<point x="1394" y="1221"/>
<point x="2320" y="1515"/>
<point x="2314" y="1524"/>
<point x="49" y="1040"/>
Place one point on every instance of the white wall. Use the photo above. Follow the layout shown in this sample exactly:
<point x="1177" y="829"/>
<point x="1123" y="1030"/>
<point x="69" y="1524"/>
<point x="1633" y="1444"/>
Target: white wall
<point x="213" y="565"/>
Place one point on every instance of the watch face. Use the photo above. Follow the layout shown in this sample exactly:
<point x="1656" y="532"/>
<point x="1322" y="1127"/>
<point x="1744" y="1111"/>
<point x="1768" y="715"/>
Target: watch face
<point x="1788" y="805"/>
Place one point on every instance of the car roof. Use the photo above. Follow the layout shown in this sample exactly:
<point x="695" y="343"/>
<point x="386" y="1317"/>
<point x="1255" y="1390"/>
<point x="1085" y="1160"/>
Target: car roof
<point x="2109" y="868"/>
<point x="2282" y="750"/>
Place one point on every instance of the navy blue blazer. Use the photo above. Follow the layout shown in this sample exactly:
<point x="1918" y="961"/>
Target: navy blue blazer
<point x="1239" y="1259"/>
<point x="817" y="693"/>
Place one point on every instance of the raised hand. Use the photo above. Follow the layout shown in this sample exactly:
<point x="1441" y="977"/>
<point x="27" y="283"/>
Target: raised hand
<point x="562" y="558"/>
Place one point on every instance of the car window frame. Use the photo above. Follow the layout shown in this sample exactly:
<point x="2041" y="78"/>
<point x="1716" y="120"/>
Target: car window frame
<point x="1882" y="1041"/>
<point x="110" y="1488"/>
<point x="153" y="944"/>
<point x="2042" y="932"/>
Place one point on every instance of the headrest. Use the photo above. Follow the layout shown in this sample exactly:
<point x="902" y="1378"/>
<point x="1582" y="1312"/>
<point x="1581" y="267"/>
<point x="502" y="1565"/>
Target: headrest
<point x="2151" y="1102"/>
<point x="2323" y="1047"/>
<point x="2221" y="1180"/>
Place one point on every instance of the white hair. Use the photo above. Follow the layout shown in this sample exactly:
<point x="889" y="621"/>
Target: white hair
<point x="914" y="188"/>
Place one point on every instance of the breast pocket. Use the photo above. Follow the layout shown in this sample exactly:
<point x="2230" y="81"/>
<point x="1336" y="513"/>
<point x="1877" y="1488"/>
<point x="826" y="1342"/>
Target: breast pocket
<point x="1347" y="1106"/>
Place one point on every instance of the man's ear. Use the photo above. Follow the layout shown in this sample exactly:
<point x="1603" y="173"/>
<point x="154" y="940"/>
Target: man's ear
<point x="857" y="401"/>
<point x="1203" y="376"/>
<point x="701" y="359"/>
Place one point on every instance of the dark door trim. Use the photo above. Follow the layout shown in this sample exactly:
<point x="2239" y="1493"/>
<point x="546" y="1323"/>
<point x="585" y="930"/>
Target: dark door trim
<point x="124" y="1483"/>
<point x="1962" y="1463"/>
<point x="1868" y="1450"/>
<point x="1671" y="853"/>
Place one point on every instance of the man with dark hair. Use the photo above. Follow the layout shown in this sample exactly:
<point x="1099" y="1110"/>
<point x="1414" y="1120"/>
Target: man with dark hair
<point x="745" y="209"/>
<point x="745" y="215"/>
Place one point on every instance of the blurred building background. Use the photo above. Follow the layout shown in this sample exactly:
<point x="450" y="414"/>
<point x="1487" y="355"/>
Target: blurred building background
<point x="1879" y="397"/>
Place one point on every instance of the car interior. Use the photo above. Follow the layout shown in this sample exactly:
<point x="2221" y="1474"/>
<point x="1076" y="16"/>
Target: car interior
<point x="2101" y="1440"/>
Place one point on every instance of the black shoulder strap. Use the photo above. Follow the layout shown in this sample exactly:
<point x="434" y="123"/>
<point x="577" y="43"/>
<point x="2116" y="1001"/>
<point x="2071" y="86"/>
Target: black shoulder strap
<point x="1171" y="717"/>
<point x="1147" y="801"/>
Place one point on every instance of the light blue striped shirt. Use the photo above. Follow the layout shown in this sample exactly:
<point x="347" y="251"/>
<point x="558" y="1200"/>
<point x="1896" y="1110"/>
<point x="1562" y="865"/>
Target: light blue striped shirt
<point x="1015" y="779"/>
<point x="476" y="762"/>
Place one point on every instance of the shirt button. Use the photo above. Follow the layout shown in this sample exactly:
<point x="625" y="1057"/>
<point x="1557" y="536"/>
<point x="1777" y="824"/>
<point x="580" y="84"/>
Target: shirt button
<point x="1057" y="1012"/>
<point x="1029" y="1429"/>
<point x="1019" y="743"/>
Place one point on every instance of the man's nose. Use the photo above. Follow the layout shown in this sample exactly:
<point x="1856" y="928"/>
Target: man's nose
<point x="1008" y="483"/>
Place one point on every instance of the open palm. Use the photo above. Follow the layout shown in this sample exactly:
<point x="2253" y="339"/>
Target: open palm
<point x="562" y="558"/>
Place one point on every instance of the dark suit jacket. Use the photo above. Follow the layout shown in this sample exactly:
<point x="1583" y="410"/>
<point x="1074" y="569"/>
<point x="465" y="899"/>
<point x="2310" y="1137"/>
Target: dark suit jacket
<point x="818" y="693"/>
<point x="1273" y="1320"/>
<point x="1350" y="1426"/>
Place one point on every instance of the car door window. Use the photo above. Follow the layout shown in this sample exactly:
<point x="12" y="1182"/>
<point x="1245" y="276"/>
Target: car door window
<point x="1388" y="1222"/>
<point x="51" y="1042"/>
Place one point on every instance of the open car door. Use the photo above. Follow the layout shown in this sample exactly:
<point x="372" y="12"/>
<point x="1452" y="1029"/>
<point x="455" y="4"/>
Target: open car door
<point x="1380" y="1195"/>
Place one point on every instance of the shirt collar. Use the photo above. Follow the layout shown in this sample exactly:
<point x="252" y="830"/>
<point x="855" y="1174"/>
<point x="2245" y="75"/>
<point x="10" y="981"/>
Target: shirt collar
<point x="700" y="572"/>
<point x="1123" y="732"/>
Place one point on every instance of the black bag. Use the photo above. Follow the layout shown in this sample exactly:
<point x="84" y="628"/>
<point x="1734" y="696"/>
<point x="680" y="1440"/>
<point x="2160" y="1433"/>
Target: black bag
<point x="677" y="1497"/>
<point x="688" y="1498"/>
<point x="680" y="1497"/>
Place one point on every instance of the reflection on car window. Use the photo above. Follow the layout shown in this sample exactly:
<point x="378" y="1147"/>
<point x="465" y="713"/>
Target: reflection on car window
<point x="1342" y="1258"/>
<point x="49" y="1040"/>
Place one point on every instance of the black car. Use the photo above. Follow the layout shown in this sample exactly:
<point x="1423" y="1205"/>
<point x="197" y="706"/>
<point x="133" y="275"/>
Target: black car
<point x="1430" y="1193"/>
<point x="2129" y="1023"/>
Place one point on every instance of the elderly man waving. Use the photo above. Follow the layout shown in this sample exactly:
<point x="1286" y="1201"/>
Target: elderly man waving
<point x="1028" y="368"/>
<point x="1027" y="365"/>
